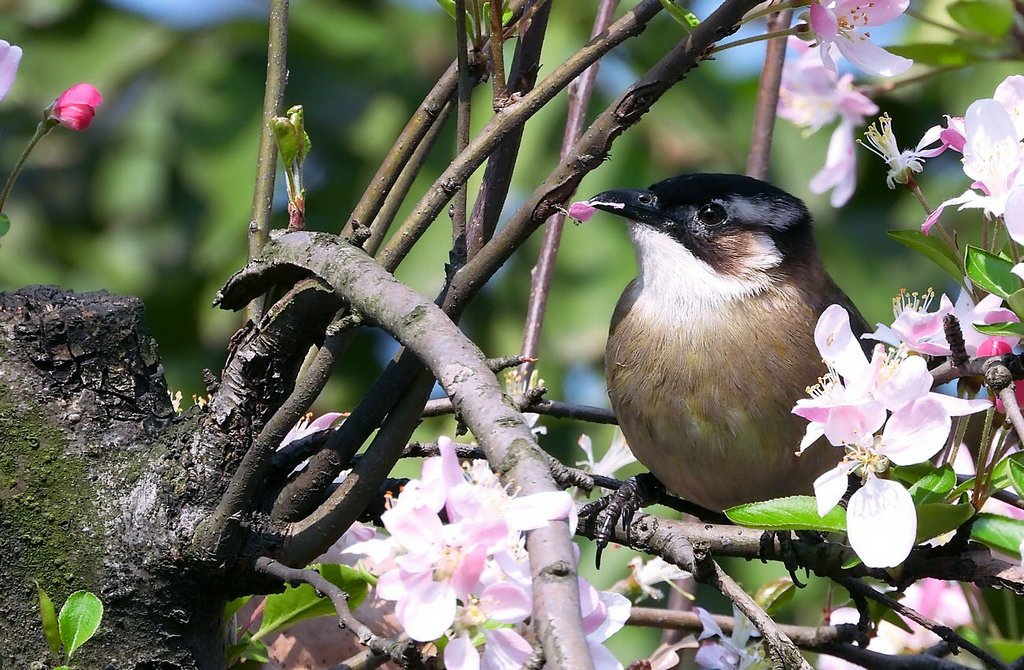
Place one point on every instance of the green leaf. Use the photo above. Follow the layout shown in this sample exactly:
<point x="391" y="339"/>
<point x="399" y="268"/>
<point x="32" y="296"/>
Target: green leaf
<point x="297" y="603"/>
<point x="448" y="6"/>
<point x="999" y="532"/>
<point x="792" y="513"/>
<point x="1001" y="472"/>
<point x="1016" y="472"/>
<point x="1007" y="650"/>
<point x="78" y="621"/>
<point x="351" y="580"/>
<point x="301" y="602"/>
<point x="940" y="55"/>
<point x="775" y="594"/>
<point x="49" y="616"/>
<point x="934" y="519"/>
<point x="931" y="248"/>
<point x="1008" y="329"/>
<point x="287" y="137"/>
<point x="232" y="607"/>
<point x="5" y="224"/>
<point x="248" y="649"/>
<point x="683" y="17"/>
<point x="991" y="272"/>
<point x="934" y="486"/>
<point x="989" y="17"/>
<point x="1016" y="302"/>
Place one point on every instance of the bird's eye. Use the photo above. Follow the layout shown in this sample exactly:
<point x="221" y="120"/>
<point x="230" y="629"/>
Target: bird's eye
<point x="712" y="214"/>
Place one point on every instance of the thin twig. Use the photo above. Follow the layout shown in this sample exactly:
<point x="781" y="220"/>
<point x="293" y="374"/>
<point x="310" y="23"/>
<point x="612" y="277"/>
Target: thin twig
<point x="596" y="142"/>
<point x="457" y="257"/>
<point x="427" y="209"/>
<point x="766" y="108"/>
<point x="781" y="649"/>
<point x="407" y="142"/>
<point x="497" y="57"/>
<point x="946" y="633"/>
<point x="540" y="279"/>
<point x="562" y="410"/>
<point x="805" y="637"/>
<point x="266" y="163"/>
<point x="401" y="650"/>
<point x="400" y="188"/>
<point x="501" y="164"/>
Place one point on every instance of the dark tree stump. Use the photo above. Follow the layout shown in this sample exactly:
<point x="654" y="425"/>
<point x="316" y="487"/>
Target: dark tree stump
<point x="101" y="486"/>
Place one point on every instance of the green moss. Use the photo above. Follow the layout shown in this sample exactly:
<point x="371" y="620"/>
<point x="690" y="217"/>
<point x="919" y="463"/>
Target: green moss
<point x="48" y="515"/>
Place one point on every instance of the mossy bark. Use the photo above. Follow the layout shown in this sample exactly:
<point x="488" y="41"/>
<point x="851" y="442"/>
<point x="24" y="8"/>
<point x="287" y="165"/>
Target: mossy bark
<point x="101" y="487"/>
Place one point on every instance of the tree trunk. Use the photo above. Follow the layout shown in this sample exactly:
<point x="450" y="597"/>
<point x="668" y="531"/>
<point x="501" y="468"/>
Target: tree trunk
<point x="101" y="487"/>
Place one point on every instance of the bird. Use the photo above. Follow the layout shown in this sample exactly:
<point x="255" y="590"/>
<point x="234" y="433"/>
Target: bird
<point x="711" y="345"/>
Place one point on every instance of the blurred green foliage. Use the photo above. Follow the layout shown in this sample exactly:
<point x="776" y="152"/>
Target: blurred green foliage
<point x="153" y="199"/>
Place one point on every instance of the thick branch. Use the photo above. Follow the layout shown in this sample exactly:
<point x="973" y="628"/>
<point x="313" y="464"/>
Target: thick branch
<point x="260" y="371"/>
<point x="462" y="371"/>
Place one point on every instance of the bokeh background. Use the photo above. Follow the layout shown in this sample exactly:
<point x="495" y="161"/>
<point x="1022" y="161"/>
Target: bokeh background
<point x="153" y="199"/>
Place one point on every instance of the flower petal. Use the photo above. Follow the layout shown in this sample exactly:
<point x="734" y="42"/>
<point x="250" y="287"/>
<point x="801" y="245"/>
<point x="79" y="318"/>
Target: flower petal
<point x="881" y="523"/>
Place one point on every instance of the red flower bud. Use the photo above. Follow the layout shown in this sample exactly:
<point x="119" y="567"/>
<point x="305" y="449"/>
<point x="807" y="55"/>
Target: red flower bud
<point x="76" y="107"/>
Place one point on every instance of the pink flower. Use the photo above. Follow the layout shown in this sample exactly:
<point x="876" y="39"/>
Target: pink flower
<point x="992" y="130"/>
<point x="812" y="95"/>
<point x="840" y="22"/>
<point x="840" y="171"/>
<point x="921" y="331"/>
<point x="581" y="211"/>
<point x="76" y="107"/>
<point x="10" y="56"/>
<point x="849" y="407"/>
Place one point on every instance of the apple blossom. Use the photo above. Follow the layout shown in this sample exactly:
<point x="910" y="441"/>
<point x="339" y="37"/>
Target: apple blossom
<point x="618" y="455"/>
<point x="581" y="211"/>
<point x="902" y="164"/>
<point x="736" y="652"/>
<point x="76" y="107"/>
<point x="922" y="331"/>
<point x="840" y="22"/>
<point x="10" y="57"/>
<point x="644" y="575"/>
<point x="858" y="397"/>
<point x="992" y="158"/>
<point x="459" y="575"/>
<point x="810" y="96"/>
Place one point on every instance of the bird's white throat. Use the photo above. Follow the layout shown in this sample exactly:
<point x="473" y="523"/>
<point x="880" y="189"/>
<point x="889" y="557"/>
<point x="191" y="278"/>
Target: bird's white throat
<point x="672" y="280"/>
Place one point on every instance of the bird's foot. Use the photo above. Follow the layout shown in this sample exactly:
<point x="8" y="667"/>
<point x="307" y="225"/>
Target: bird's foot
<point x="788" y="549"/>
<point x="621" y="504"/>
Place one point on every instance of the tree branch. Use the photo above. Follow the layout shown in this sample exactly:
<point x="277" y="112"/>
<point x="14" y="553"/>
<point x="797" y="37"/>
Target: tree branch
<point x="540" y="284"/>
<point x="514" y="115"/>
<point x="768" y="96"/>
<point x="462" y="371"/>
<point x="401" y="651"/>
<point x="266" y="163"/>
<point x="597" y="140"/>
<point x="259" y="374"/>
<point x="944" y="632"/>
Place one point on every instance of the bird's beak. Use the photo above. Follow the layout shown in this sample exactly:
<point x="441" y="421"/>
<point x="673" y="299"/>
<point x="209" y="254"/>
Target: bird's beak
<point x="630" y="203"/>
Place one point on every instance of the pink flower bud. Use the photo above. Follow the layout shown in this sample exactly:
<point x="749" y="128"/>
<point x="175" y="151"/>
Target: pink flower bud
<point x="76" y="107"/>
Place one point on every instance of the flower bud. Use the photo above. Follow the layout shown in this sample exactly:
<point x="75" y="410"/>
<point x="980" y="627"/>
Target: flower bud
<point x="76" y="107"/>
